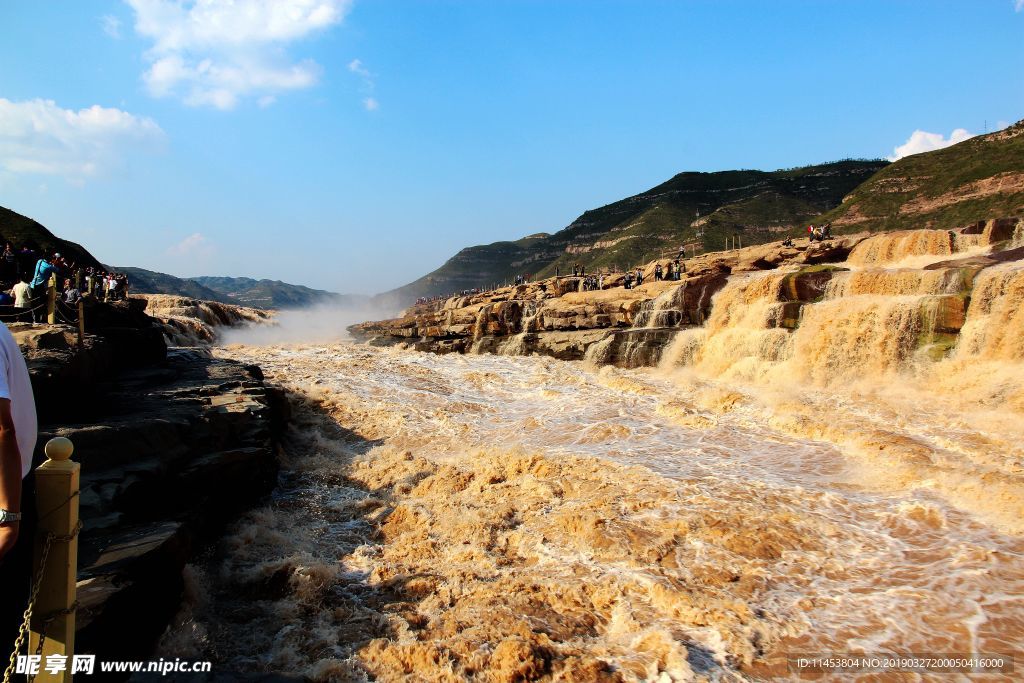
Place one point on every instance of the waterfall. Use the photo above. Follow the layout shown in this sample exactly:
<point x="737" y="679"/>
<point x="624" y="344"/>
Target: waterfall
<point x="742" y="333"/>
<point x="896" y="247"/>
<point x="517" y="345"/>
<point x="868" y="322"/>
<point x="995" y="319"/>
<point x="895" y="282"/>
<point x="665" y="310"/>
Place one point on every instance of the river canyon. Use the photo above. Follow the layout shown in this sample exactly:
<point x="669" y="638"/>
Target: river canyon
<point x="837" y="470"/>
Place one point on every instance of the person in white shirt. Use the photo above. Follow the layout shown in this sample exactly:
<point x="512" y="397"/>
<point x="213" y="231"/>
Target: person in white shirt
<point x="22" y="294"/>
<point x="18" y="430"/>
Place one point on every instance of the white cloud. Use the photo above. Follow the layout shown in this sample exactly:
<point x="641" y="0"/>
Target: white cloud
<point x="194" y="246"/>
<point x="923" y="141"/>
<point x="1019" y="5"/>
<point x="356" y="67"/>
<point x="216" y="52"/>
<point x="111" y="26"/>
<point x="37" y="136"/>
<point x="369" y="83"/>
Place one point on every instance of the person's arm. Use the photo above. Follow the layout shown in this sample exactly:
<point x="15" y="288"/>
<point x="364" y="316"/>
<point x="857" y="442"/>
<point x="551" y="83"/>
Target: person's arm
<point x="10" y="476"/>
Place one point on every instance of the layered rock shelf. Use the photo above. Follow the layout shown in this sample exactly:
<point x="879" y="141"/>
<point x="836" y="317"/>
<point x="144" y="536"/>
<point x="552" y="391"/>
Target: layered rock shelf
<point x="630" y="327"/>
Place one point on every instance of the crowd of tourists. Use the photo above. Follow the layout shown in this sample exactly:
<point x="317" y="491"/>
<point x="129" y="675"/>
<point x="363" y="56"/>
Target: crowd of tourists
<point x="25" y="278"/>
<point x="444" y="297"/>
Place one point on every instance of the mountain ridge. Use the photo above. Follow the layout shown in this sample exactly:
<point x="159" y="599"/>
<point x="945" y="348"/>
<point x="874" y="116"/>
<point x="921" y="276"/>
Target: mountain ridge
<point x="241" y="291"/>
<point x="693" y="209"/>
<point x="700" y="212"/>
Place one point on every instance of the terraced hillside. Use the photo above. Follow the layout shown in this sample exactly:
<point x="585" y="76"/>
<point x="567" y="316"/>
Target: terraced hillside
<point x="693" y="210"/>
<point x="947" y="188"/>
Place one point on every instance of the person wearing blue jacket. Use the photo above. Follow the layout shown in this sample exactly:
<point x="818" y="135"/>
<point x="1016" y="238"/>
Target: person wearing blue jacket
<point x="44" y="269"/>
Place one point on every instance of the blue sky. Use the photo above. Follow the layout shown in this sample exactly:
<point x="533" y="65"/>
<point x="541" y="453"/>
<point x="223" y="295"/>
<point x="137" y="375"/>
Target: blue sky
<point x="355" y="146"/>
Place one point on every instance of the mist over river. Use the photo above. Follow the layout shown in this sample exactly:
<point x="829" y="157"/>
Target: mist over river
<point x="445" y="517"/>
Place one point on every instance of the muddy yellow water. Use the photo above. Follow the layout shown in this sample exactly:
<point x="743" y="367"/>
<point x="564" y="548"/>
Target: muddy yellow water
<point x="502" y="518"/>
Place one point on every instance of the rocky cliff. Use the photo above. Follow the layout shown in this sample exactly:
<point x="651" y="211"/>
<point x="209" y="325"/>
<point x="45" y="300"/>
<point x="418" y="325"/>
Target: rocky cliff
<point x="632" y="327"/>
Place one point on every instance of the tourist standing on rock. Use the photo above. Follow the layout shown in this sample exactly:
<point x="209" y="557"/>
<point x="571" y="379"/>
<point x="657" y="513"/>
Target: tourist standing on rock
<point x="17" y="488"/>
<point x="22" y="294"/>
<point x="657" y="272"/>
<point x="639" y="277"/>
<point x="41" y="278"/>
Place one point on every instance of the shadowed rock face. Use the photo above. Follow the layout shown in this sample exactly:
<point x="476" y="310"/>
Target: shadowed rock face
<point x="174" y="451"/>
<point x="172" y="444"/>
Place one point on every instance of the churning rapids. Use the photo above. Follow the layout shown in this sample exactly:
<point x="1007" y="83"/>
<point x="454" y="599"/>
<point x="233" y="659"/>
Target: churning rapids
<point x="452" y="516"/>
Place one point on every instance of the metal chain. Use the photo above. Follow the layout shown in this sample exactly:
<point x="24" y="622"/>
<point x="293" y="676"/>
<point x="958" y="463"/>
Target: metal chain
<point x="26" y="619"/>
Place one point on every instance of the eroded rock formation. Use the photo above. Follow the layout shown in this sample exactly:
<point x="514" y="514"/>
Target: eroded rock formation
<point x="631" y="327"/>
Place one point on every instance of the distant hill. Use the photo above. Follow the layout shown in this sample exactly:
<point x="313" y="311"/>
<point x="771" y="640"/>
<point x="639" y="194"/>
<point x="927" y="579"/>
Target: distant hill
<point x="976" y="179"/>
<point x="22" y="231"/>
<point x="695" y="210"/>
<point x="273" y="293"/>
<point x="151" y="282"/>
<point x="241" y="291"/>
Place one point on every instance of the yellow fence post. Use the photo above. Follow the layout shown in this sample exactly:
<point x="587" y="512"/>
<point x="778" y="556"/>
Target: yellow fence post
<point x="53" y="617"/>
<point x="51" y="300"/>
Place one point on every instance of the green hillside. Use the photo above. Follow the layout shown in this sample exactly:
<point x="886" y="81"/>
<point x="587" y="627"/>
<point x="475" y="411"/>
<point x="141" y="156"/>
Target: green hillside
<point x="977" y="179"/>
<point x="695" y="210"/>
<point x="22" y="231"/>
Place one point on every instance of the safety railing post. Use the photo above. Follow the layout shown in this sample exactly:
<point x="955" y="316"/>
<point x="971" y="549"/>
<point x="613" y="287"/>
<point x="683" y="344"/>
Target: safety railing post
<point x="51" y="300"/>
<point x="56" y="559"/>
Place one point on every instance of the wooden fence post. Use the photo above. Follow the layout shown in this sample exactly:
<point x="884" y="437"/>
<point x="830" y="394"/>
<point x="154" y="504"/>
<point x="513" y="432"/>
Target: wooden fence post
<point x="53" y="617"/>
<point x="51" y="300"/>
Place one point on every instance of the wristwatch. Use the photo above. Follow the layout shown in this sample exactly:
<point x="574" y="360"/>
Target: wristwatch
<point x="9" y="517"/>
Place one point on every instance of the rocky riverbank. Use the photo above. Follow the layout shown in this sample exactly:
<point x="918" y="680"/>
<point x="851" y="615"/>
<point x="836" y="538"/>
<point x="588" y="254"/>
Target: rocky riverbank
<point x="631" y="327"/>
<point x="173" y="444"/>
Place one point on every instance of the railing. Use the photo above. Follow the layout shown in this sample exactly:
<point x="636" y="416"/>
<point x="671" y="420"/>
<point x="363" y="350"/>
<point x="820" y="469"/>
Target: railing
<point x="49" y="619"/>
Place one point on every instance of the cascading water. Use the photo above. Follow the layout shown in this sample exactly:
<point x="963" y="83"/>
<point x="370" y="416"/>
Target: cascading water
<point x="905" y="282"/>
<point x="665" y="310"/>
<point x="517" y="344"/>
<point x="742" y="333"/>
<point x="912" y="247"/>
<point x="995" y="319"/>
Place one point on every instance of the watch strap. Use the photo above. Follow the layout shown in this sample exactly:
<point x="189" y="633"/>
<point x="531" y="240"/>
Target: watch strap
<point x="9" y="517"/>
